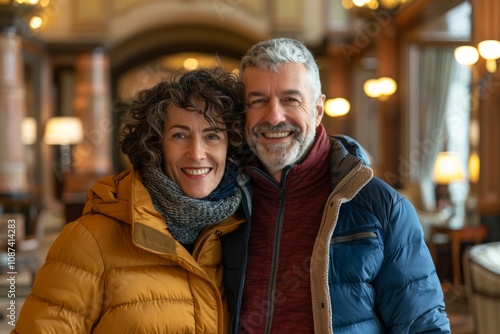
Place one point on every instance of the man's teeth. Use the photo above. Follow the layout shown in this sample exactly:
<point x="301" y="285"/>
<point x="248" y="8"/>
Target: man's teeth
<point x="282" y="134"/>
<point x="197" y="171"/>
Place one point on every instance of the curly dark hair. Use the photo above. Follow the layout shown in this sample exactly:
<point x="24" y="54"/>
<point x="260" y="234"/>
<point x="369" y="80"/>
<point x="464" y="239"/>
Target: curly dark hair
<point x="142" y="134"/>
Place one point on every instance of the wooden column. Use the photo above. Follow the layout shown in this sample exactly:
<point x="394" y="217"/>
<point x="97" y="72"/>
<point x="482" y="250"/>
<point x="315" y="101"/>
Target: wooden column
<point x="338" y="86"/>
<point x="485" y="14"/>
<point x="389" y="113"/>
<point x="13" y="174"/>
<point x="92" y="158"/>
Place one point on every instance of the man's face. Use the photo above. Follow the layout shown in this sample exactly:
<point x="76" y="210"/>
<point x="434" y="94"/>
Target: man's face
<point x="282" y="117"/>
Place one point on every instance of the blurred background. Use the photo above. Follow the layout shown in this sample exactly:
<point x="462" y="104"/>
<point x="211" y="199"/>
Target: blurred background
<point x="413" y="81"/>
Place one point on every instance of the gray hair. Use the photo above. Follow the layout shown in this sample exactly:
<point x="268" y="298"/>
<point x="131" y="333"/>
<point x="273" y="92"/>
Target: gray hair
<point x="272" y="53"/>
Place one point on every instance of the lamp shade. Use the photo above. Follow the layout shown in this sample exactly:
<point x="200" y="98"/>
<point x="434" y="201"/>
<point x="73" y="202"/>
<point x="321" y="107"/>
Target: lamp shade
<point x="448" y="168"/>
<point x="63" y="131"/>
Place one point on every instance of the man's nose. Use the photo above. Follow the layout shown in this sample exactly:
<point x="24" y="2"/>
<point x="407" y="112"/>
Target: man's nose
<point x="275" y="113"/>
<point x="196" y="150"/>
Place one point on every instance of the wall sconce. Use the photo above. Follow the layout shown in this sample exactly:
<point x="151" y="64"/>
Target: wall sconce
<point x="447" y="169"/>
<point x="337" y="107"/>
<point x="380" y="88"/>
<point x="474" y="167"/>
<point x="488" y="49"/>
<point x="64" y="131"/>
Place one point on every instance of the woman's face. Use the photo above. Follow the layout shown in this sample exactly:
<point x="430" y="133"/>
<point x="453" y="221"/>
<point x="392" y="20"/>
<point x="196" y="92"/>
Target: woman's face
<point x="194" y="151"/>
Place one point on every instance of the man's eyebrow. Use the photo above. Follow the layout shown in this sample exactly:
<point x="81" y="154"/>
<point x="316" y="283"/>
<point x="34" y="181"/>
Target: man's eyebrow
<point x="293" y="92"/>
<point x="285" y="92"/>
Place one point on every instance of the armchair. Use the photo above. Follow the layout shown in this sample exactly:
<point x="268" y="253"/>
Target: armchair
<point x="482" y="281"/>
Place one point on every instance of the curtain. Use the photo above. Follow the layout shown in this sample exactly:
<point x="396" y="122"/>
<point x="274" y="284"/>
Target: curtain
<point x="437" y="66"/>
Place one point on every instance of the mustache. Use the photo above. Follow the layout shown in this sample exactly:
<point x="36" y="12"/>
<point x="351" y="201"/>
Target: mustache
<point x="282" y="126"/>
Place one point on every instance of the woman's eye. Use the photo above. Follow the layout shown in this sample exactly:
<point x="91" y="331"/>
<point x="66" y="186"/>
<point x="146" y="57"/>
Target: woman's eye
<point x="213" y="136"/>
<point x="179" y="135"/>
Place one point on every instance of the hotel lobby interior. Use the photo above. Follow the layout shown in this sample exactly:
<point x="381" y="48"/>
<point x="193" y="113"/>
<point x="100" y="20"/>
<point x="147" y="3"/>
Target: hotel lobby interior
<point x="415" y="82"/>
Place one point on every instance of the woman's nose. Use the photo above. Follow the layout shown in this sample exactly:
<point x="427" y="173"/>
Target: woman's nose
<point x="196" y="150"/>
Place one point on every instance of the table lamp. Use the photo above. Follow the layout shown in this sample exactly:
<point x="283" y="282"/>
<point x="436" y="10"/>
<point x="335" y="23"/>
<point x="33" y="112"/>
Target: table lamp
<point x="64" y="131"/>
<point x="447" y="169"/>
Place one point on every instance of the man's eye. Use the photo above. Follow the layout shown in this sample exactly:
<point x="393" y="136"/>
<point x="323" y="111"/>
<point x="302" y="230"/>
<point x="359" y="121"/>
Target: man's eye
<point x="257" y="103"/>
<point x="291" y="101"/>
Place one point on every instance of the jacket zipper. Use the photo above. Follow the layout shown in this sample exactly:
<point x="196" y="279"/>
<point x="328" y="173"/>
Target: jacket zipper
<point x="276" y="248"/>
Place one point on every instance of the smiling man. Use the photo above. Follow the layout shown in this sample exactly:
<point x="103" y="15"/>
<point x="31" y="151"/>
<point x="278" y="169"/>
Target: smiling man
<point x="283" y="115"/>
<point x="331" y="248"/>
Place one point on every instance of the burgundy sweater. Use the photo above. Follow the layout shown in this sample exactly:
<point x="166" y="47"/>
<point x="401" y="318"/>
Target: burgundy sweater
<point x="285" y="221"/>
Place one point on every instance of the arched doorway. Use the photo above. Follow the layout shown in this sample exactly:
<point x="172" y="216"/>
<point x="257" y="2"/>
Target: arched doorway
<point x="142" y="60"/>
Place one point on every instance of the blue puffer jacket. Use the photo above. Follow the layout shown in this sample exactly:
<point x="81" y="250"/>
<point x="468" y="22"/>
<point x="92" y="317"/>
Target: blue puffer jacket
<point x="371" y="271"/>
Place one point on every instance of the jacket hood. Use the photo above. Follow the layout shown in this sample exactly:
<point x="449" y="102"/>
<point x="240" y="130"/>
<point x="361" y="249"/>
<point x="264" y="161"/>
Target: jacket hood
<point x="346" y="154"/>
<point x="122" y="197"/>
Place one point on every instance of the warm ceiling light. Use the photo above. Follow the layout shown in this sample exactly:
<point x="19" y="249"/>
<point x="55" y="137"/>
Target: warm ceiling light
<point x="28" y="2"/>
<point x="190" y="64"/>
<point x="490" y="50"/>
<point x="359" y="3"/>
<point x="372" y="4"/>
<point x="466" y="55"/>
<point x="337" y="107"/>
<point x="36" y="22"/>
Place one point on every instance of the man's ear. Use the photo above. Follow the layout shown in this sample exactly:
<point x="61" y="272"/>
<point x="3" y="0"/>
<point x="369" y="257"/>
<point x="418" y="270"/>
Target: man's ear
<point x="320" y="109"/>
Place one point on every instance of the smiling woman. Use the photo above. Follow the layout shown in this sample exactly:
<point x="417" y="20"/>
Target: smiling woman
<point x="154" y="231"/>
<point x="194" y="151"/>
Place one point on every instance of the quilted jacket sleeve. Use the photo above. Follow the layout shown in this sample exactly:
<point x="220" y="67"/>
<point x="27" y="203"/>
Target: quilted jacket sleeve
<point x="67" y="294"/>
<point x="410" y="298"/>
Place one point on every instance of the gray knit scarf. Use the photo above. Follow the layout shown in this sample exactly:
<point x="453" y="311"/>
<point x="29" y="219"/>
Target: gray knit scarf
<point x="186" y="217"/>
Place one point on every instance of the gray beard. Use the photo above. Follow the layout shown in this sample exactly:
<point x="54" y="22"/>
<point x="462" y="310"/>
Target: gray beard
<point x="276" y="157"/>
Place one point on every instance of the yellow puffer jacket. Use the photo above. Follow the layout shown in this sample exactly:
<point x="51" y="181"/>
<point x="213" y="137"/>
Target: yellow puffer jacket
<point x="118" y="270"/>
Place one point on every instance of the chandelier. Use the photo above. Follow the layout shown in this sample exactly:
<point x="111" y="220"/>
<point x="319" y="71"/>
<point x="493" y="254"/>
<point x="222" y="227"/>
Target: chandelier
<point x="20" y="13"/>
<point x="373" y="4"/>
